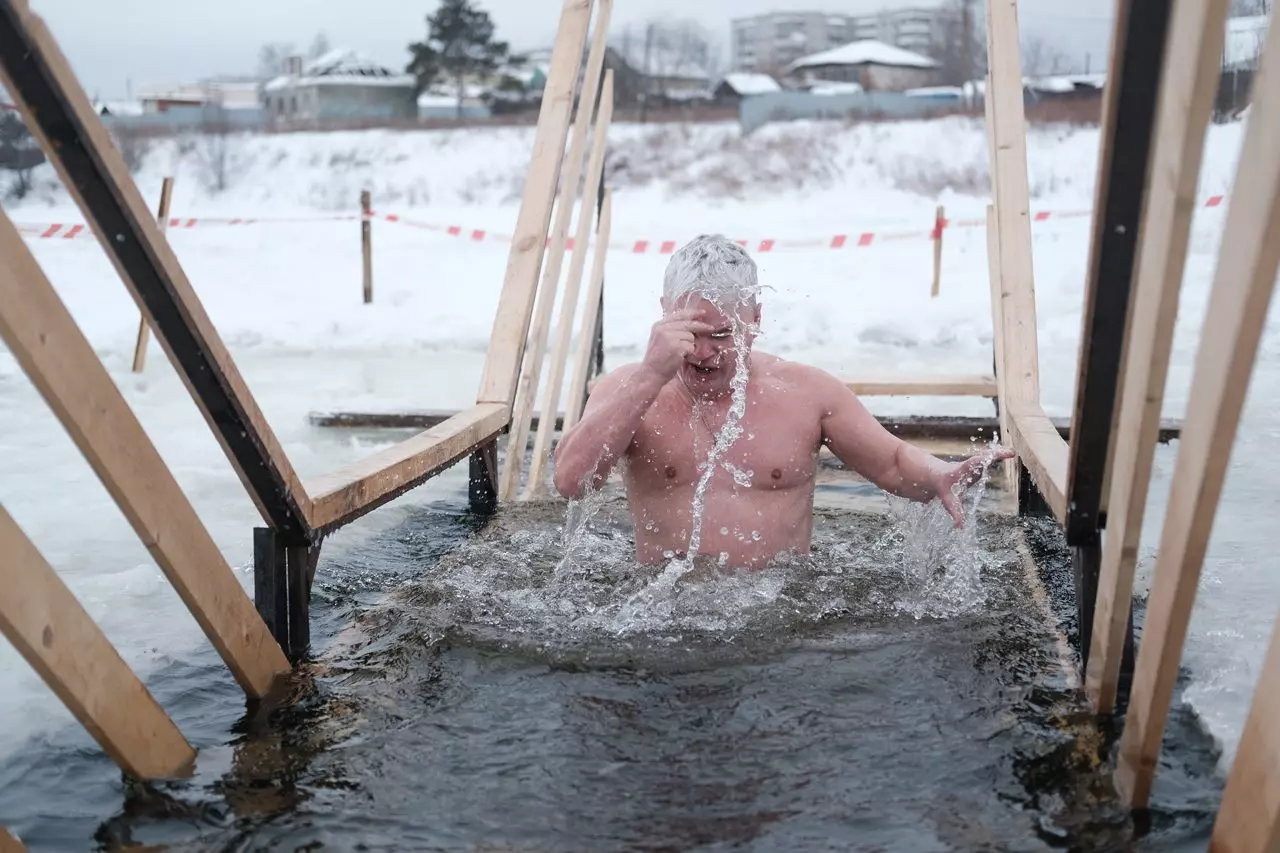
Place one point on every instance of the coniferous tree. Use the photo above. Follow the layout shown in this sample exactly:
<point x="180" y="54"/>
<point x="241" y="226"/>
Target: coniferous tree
<point x="459" y="44"/>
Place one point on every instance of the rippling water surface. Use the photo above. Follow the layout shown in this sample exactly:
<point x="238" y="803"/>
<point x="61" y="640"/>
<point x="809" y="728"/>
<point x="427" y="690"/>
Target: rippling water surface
<point x="528" y="687"/>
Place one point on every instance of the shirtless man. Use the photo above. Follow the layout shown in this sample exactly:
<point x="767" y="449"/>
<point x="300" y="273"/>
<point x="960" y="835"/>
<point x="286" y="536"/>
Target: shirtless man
<point x="662" y="416"/>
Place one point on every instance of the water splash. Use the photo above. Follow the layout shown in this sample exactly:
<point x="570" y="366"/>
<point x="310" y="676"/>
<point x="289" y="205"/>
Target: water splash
<point x="940" y="565"/>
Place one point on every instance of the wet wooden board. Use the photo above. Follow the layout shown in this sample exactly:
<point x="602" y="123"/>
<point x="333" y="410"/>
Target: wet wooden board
<point x="48" y="626"/>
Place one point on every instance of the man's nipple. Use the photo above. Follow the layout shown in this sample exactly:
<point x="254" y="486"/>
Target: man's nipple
<point x="776" y="473"/>
<point x="670" y="472"/>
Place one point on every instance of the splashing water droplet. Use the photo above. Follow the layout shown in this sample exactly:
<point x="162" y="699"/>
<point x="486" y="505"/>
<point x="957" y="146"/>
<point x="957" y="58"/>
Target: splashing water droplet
<point x="724" y="531"/>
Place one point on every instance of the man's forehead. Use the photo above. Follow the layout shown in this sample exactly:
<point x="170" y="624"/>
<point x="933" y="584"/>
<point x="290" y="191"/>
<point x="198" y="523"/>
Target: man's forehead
<point x="711" y="313"/>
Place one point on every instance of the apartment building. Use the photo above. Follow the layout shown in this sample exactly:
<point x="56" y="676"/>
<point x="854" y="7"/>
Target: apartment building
<point x="774" y="40"/>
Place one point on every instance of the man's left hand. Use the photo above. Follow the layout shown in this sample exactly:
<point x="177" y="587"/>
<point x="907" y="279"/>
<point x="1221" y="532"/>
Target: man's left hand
<point x="955" y="479"/>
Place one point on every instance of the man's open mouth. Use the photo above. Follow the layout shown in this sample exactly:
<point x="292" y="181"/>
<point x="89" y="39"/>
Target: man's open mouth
<point x="704" y="370"/>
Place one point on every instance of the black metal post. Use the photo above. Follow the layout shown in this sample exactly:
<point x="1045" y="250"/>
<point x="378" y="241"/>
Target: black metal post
<point x="1130" y="123"/>
<point x="482" y="486"/>
<point x="1030" y="501"/>
<point x="271" y="584"/>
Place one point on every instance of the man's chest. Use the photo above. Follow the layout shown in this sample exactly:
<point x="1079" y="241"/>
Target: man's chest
<point x="773" y="448"/>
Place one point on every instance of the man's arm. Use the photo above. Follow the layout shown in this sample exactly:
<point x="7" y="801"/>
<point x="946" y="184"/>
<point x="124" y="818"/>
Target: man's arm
<point x="864" y="445"/>
<point x="587" y="453"/>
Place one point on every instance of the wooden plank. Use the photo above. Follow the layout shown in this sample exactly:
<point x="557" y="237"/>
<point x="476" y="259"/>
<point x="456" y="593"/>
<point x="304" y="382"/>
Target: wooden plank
<point x="46" y="624"/>
<point x="9" y="844"/>
<point x="1249" y="817"/>
<point x="939" y="229"/>
<point x="590" y="317"/>
<point x="1187" y="89"/>
<point x="935" y="386"/>
<point x="62" y="119"/>
<point x="526" y="390"/>
<point x="511" y="325"/>
<point x="922" y="426"/>
<point x="572" y="286"/>
<point x="1129" y="110"/>
<point x="1043" y="452"/>
<point x="1237" y="310"/>
<point x="43" y="337"/>
<point x="1008" y="129"/>
<point x="997" y="336"/>
<point x="353" y="490"/>
<point x="144" y="331"/>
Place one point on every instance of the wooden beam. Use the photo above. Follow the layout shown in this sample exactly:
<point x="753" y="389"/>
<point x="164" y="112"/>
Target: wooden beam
<point x="904" y="426"/>
<point x="934" y="386"/>
<point x="519" y="286"/>
<point x="572" y="286"/>
<point x="354" y="490"/>
<point x="49" y="628"/>
<point x="144" y="331"/>
<point x="45" y="340"/>
<point x="997" y="336"/>
<point x="1043" y="452"/>
<point x="1187" y="92"/>
<point x="1237" y="310"/>
<point x="587" y="340"/>
<point x="526" y="390"/>
<point x="9" y="844"/>
<point x="62" y="119"/>
<point x="1129" y="108"/>
<point x="1008" y="132"/>
<point x="1249" y="817"/>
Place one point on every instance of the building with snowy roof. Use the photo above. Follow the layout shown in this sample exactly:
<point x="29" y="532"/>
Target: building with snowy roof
<point x="873" y="65"/>
<point x="743" y="84"/>
<point x="341" y="85"/>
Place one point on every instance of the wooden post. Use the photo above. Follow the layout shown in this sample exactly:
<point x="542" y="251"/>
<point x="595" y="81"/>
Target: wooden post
<point x="526" y="390"/>
<point x="569" y="304"/>
<point x="1187" y="91"/>
<point x="1007" y="130"/>
<point x="1237" y="310"/>
<point x="519" y="287"/>
<point x="1249" y="817"/>
<point x="144" y="331"/>
<point x="939" y="223"/>
<point x="66" y="648"/>
<point x="59" y="114"/>
<point x="9" y="844"/>
<point x="53" y="352"/>
<point x="366" y="243"/>
<point x="1012" y="467"/>
<point x="591" y="319"/>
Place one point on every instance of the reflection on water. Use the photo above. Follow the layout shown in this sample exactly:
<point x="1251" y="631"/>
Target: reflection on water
<point x="874" y="695"/>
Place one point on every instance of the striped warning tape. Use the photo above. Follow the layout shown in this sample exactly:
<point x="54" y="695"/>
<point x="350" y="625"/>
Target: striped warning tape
<point x="862" y="239"/>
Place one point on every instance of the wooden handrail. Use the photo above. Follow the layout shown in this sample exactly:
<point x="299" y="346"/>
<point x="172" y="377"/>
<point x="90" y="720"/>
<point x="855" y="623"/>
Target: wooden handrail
<point x="353" y="490"/>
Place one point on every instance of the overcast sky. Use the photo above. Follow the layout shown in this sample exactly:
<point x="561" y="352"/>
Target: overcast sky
<point x="115" y="43"/>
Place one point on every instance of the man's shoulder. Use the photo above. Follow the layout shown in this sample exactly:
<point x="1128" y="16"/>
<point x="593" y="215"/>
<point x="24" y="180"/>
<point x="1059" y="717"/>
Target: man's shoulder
<point x="794" y="375"/>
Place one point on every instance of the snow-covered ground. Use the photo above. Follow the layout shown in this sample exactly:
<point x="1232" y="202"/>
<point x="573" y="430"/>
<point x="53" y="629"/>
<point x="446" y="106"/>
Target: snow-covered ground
<point x="286" y="298"/>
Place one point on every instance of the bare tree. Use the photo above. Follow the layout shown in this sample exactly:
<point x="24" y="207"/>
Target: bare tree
<point x="319" y="46"/>
<point x="216" y="148"/>
<point x="273" y="59"/>
<point x="1040" y="58"/>
<point x="959" y="42"/>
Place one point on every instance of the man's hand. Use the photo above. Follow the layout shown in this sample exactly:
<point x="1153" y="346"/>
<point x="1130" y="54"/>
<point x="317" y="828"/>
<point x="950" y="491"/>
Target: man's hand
<point x="671" y="341"/>
<point x="955" y="479"/>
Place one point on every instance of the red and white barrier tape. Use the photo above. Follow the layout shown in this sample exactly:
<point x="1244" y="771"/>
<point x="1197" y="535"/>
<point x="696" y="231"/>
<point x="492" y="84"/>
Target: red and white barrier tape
<point x="862" y="239"/>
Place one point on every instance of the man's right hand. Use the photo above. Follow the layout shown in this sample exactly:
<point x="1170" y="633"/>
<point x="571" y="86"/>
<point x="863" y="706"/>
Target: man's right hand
<point x="671" y="341"/>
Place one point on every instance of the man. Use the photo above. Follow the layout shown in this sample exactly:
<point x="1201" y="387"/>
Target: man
<point x="661" y="418"/>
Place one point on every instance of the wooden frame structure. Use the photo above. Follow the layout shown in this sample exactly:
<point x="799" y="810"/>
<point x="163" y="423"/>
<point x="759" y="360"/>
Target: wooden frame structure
<point x="1161" y="83"/>
<point x="257" y="645"/>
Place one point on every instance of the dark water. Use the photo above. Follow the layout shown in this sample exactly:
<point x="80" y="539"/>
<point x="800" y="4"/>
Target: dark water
<point x="898" y="690"/>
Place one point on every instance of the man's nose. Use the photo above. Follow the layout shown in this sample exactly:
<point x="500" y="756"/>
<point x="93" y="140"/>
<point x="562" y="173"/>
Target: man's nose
<point x="703" y="349"/>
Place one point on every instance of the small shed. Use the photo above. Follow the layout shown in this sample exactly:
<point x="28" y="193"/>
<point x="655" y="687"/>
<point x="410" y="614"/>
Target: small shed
<point x="341" y="85"/>
<point x="873" y="65"/>
<point x="734" y="87"/>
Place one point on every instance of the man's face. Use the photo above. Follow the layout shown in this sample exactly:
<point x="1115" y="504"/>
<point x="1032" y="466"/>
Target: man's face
<point x="710" y="368"/>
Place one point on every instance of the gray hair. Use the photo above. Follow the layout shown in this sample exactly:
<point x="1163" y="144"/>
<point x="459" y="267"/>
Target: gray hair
<point x="714" y="268"/>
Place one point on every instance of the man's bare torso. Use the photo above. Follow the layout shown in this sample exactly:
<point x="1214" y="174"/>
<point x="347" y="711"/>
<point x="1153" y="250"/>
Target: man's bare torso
<point x="759" y="501"/>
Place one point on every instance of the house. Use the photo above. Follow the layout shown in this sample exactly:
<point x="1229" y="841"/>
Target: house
<point x="441" y="103"/>
<point x="743" y="84"/>
<point x="341" y="85"/>
<point x="873" y="65"/>
<point x="229" y="94"/>
<point x="666" y="70"/>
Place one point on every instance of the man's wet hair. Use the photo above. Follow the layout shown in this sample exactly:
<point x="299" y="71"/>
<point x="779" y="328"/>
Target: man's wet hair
<point x="714" y="268"/>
